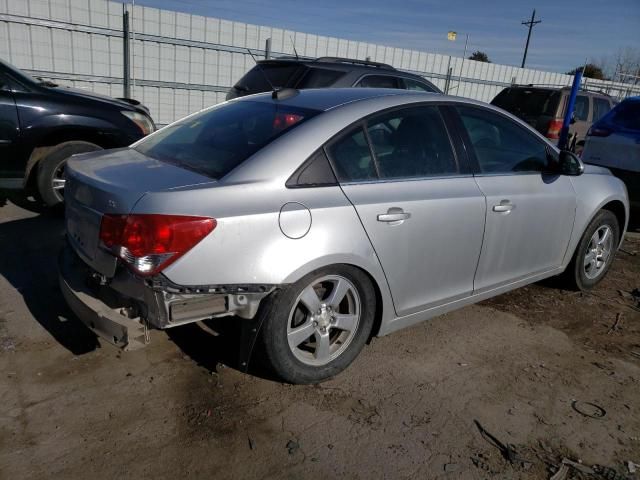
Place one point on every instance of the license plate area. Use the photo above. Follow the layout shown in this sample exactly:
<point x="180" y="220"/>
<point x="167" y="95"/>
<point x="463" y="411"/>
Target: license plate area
<point x="83" y="232"/>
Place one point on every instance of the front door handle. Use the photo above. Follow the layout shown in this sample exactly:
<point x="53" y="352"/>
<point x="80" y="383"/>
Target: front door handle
<point x="505" y="206"/>
<point x="394" y="216"/>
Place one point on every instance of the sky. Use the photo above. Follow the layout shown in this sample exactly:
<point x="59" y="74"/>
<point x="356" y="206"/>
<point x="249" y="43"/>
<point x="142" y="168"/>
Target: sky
<point x="571" y="30"/>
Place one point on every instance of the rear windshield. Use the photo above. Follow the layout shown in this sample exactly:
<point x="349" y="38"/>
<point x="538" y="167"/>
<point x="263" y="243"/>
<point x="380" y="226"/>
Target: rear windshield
<point x="215" y="141"/>
<point x="627" y="115"/>
<point x="528" y="101"/>
<point x="320" y="78"/>
<point x="279" y="74"/>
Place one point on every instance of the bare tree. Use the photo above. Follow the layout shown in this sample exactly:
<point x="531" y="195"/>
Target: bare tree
<point x="626" y="63"/>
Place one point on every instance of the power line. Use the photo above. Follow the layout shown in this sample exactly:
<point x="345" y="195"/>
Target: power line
<point x="531" y="23"/>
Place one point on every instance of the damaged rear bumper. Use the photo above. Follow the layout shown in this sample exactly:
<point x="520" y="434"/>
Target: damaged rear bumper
<point x="121" y="309"/>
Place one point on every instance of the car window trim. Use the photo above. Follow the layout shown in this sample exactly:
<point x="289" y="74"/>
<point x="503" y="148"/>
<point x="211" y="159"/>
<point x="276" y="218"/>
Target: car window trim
<point x="470" y="149"/>
<point x="362" y="122"/>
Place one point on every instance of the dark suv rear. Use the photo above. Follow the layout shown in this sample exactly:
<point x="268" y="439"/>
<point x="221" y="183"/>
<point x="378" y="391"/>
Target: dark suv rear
<point x="544" y="107"/>
<point x="325" y="72"/>
<point x="42" y="124"/>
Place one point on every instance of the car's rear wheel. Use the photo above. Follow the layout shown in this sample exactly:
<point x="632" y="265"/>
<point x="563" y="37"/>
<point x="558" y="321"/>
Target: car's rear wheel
<point x="51" y="178"/>
<point x="317" y="326"/>
<point x="595" y="252"/>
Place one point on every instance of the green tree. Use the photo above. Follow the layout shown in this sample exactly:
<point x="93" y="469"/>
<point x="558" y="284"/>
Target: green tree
<point x="479" y="56"/>
<point x="590" y="70"/>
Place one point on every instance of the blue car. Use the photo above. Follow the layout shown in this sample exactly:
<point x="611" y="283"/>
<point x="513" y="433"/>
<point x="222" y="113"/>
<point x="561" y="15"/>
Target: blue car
<point x="614" y="142"/>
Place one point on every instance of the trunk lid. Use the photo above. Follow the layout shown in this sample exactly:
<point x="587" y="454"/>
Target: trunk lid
<point x="112" y="182"/>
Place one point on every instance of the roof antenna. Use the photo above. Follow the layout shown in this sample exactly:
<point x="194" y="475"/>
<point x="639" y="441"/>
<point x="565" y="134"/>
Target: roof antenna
<point x="294" y="47"/>
<point x="276" y="93"/>
<point x="264" y="74"/>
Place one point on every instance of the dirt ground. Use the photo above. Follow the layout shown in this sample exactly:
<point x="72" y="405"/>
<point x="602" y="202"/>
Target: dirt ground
<point x="411" y="406"/>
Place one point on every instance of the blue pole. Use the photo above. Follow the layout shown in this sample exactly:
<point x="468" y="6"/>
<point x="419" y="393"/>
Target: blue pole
<point x="564" y="133"/>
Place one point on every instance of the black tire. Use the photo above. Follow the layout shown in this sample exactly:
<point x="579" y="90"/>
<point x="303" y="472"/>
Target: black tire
<point x="49" y="167"/>
<point x="575" y="275"/>
<point x="274" y="345"/>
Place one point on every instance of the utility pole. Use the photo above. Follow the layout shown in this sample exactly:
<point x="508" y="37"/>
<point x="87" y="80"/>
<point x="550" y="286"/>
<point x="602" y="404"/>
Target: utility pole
<point x="531" y="23"/>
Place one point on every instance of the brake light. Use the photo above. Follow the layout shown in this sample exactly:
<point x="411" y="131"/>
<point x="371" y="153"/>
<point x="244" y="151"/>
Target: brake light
<point x="282" y="121"/>
<point x="149" y="243"/>
<point x="553" y="131"/>
<point x="595" y="131"/>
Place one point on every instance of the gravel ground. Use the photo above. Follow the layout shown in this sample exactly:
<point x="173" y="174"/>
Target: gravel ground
<point x="411" y="406"/>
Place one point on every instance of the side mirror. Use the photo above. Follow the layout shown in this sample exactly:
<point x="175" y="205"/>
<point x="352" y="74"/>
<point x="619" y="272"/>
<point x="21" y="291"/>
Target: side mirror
<point x="570" y="164"/>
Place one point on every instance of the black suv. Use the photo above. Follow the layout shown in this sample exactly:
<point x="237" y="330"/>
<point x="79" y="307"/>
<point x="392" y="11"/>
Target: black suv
<point x="325" y="72"/>
<point x="41" y="125"/>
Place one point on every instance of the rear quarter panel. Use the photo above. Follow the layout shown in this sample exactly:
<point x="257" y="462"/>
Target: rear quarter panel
<point x="248" y="245"/>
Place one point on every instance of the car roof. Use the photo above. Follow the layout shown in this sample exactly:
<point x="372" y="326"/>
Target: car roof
<point x="343" y="64"/>
<point x="324" y="99"/>
<point x="557" y="89"/>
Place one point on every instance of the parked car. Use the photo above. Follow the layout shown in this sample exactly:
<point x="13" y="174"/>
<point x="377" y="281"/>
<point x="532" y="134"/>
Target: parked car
<point x="544" y="108"/>
<point x="614" y="142"/>
<point x="325" y="72"/>
<point x="322" y="217"/>
<point x="42" y="124"/>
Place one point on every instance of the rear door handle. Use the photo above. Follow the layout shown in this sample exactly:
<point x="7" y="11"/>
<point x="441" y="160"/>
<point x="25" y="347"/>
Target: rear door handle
<point x="505" y="206"/>
<point x="394" y="216"/>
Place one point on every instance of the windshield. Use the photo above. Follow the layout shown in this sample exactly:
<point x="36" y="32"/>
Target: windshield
<point x="17" y="74"/>
<point x="215" y="141"/>
<point x="528" y="102"/>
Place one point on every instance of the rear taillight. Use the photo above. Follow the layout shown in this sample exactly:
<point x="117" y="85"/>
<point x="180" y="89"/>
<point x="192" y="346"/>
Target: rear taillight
<point x="283" y="121"/>
<point x="149" y="243"/>
<point x="553" y="131"/>
<point x="595" y="131"/>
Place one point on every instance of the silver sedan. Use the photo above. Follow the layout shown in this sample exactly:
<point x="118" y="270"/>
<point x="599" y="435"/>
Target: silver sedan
<point x="321" y="218"/>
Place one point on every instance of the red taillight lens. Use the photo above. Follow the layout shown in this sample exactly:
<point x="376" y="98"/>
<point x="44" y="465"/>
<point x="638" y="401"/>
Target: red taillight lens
<point x="553" y="131"/>
<point x="598" y="132"/>
<point x="150" y="243"/>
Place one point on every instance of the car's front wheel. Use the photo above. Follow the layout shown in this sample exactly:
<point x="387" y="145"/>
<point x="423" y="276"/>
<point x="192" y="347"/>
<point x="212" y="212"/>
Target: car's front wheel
<point x="317" y="326"/>
<point x="51" y="179"/>
<point x="595" y="252"/>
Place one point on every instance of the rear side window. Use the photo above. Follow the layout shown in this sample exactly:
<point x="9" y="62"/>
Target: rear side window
<point x="500" y="145"/>
<point x="581" y="109"/>
<point x="600" y="108"/>
<point x="279" y="74"/>
<point x="320" y="78"/>
<point x="417" y="86"/>
<point x="352" y="157"/>
<point x="217" y="140"/>
<point x="528" y="101"/>
<point x="627" y="115"/>
<point x="412" y="143"/>
<point x="379" y="81"/>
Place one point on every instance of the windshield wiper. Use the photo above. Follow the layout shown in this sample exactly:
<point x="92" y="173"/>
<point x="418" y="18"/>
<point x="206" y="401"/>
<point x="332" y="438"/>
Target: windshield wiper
<point x="241" y="88"/>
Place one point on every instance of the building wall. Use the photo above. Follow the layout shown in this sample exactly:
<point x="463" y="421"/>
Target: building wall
<point x="182" y="63"/>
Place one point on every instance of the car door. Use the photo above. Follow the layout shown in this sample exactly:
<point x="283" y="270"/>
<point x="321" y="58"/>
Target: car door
<point x="529" y="215"/>
<point x="9" y="130"/>
<point x="417" y="201"/>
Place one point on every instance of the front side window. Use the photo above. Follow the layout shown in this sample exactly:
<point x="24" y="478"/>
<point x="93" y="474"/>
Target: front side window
<point x="215" y="141"/>
<point x="501" y="145"/>
<point x="581" y="109"/>
<point x="412" y="143"/>
<point x="378" y="81"/>
<point x="417" y="86"/>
